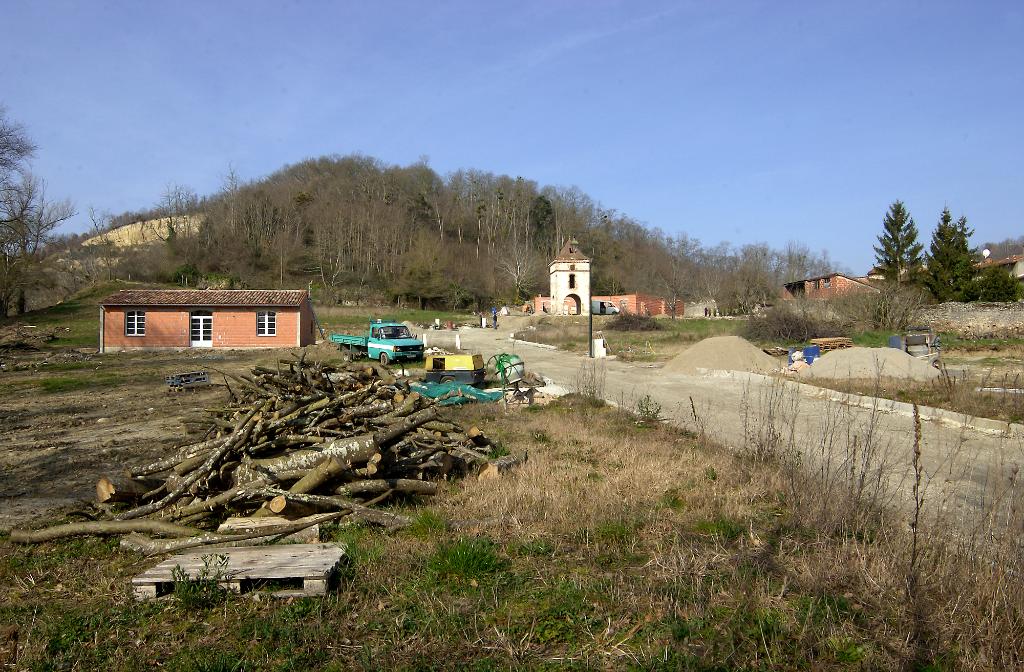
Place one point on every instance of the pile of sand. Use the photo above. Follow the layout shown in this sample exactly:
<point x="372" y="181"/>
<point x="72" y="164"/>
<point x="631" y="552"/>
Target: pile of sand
<point x="722" y="353"/>
<point x="870" y="363"/>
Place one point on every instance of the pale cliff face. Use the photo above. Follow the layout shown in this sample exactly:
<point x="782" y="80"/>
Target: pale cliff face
<point x="143" y="233"/>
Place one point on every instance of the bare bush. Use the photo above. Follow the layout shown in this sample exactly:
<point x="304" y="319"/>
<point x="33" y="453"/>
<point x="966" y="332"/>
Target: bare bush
<point x="894" y="307"/>
<point x="795" y="321"/>
<point x="633" y="322"/>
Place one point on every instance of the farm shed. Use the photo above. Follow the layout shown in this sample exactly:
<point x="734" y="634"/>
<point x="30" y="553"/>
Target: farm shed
<point x="154" y="319"/>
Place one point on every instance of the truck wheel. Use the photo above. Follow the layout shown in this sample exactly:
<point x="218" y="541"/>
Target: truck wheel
<point x="447" y="379"/>
<point x="384" y="359"/>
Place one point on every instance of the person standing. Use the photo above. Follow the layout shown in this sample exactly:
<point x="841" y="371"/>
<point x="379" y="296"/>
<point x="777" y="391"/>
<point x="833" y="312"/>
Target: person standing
<point x="494" y="316"/>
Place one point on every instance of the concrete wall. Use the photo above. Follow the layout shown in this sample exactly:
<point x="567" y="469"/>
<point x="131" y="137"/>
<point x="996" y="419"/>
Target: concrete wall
<point x="977" y="320"/>
<point x="168" y="327"/>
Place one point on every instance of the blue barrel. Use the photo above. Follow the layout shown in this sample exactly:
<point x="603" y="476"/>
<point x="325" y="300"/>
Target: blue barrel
<point x="811" y="353"/>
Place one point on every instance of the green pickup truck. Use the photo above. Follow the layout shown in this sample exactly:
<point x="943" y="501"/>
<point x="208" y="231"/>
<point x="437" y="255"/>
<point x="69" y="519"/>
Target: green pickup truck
<point x="384" y="341"/>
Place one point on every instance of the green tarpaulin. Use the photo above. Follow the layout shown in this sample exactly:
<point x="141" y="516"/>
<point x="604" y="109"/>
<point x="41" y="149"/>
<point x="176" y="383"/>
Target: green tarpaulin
<point x="453" y="394"/>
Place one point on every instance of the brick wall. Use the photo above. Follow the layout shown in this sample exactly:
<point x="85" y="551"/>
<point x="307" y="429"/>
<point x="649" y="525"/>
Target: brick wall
<point x="165" y="328"/>
<point x="236" y="328"/>
<point x="838" y="285"/>
<point x="232" y="328"/>
<point x="629" y="303"/>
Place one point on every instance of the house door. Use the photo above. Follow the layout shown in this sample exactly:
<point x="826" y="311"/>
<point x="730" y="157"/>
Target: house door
<point x="201" y="329"/>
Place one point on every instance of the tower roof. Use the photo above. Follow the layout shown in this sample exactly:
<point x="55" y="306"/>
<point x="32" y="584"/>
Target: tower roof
<point x="570" y="252"/>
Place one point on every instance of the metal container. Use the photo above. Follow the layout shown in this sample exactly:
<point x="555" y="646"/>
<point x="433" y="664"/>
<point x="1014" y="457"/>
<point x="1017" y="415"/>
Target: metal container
<point x="511" y="368"/>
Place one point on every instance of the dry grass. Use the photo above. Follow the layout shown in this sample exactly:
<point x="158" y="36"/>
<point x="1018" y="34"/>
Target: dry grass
<point x="619" y="545"/>
<point x="961" y="394"/>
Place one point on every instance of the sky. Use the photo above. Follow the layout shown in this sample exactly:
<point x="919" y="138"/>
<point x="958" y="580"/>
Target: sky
<point x="740" y="121"/>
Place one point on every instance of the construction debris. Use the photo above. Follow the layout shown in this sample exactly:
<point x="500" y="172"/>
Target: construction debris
<point x="832" y="343"/>
<point x="306" y="441"/>
<point x="26" y="337"/>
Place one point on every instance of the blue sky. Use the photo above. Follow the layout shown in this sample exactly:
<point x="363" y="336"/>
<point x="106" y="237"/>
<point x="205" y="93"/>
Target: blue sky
<point x="737" y="121"/>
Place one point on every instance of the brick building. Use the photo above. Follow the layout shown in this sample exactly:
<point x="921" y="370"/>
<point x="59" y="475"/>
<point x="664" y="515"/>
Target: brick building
<point x="145" y="319"/>
<point x="825" y="287"/>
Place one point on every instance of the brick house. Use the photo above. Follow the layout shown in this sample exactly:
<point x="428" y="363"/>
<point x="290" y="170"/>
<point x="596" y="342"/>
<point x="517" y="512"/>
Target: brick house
<point x="146" y="319"/>
<point x="825" y="287"/>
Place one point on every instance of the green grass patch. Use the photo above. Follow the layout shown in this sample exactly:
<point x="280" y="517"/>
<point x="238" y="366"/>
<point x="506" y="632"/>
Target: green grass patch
<point x="723" y="528"/>
<point x="427" y="524"/>
<point x="466" y="559"/>
<point x="71" y="383"/>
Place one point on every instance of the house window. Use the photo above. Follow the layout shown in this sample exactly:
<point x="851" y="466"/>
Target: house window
<point x="135" y="323"/>
<point x="572" y="281"/>
<point x="266" y="323"/>
<point x="827" y="282"/>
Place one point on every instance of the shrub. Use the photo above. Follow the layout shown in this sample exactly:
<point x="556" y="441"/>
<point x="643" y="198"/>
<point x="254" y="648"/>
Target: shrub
<point x="794" y="321"/>
<point x="894" y="307"/>
<point x="995" y="285"/>
<point x="633" y="322"/>
<point x="648" y="409"/>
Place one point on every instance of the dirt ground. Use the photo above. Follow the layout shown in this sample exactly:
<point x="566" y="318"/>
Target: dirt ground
<point x="69" y="417"/>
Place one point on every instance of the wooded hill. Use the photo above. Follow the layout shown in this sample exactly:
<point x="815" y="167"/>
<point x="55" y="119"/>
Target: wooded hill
<point x="359" y="229"/>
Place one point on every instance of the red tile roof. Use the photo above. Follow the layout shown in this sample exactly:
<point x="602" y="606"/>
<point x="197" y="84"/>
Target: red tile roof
<point x="1006" y="261"/>
<point x="570" y="252"/>
<point x="206" y="297"/>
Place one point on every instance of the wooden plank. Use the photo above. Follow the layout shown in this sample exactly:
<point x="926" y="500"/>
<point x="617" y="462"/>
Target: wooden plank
<point x="293" y="561"/>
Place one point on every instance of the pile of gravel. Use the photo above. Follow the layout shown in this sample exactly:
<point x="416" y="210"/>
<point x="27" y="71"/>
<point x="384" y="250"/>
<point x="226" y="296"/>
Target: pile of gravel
<point x="869" y="364"/>
<point x="723" y="353"/>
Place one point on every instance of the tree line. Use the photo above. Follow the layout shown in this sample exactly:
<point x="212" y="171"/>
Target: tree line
<point x="357" y="230"/>
<point x="28" y="218"/>
<point x="949" y="269"/>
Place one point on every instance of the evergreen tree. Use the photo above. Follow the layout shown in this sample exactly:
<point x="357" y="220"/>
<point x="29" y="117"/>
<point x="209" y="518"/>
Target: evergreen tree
<point x="898" y="254"/>
<point x="950" y="259"/>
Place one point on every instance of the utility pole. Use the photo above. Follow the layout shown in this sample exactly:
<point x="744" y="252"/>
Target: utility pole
<point x="590" y="311"/>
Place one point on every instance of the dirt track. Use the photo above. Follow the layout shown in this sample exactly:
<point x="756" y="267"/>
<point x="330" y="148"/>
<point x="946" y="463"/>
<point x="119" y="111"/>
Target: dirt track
<point x="56" y="445"/>
<point x="959" y="459"/>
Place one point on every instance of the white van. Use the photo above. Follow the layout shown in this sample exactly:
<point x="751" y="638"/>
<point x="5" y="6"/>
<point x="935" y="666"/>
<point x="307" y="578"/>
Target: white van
<point x="603" y="307"/>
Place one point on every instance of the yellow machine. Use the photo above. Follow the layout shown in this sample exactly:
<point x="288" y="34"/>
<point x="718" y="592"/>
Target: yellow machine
<point x="467" y="369"/>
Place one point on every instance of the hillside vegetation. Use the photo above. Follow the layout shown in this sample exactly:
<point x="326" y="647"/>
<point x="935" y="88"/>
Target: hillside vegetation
<point x="357" y="229"/>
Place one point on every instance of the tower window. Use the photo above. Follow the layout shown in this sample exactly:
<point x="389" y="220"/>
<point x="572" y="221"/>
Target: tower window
<point x="572" y="281"/>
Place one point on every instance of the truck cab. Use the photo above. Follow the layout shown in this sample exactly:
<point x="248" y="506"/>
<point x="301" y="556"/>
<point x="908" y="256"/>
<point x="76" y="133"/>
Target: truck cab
<point x="392" y="341"/>
<point x="384" y="341"/>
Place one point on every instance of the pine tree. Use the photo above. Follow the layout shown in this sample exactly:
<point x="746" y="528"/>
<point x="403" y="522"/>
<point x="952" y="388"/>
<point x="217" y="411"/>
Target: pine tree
<point x="898" y="254"/>
<point x="950" y="259"/>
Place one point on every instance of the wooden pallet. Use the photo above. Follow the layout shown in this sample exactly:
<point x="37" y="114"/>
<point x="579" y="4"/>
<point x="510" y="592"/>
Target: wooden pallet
<point x="181" y="381"/>
<point x="834" y="343"/>
<point x="308" y="567"/>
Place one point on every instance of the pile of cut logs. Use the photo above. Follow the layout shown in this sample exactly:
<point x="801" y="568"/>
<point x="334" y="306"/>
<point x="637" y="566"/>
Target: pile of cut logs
<point x="307" y="442"/>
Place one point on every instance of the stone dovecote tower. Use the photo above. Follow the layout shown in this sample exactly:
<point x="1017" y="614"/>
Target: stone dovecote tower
<point x="570" y="281"/>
